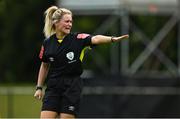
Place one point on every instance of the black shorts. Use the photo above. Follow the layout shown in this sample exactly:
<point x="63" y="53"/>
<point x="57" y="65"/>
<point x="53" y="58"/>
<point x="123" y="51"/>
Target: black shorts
<point x="62" y="95"/>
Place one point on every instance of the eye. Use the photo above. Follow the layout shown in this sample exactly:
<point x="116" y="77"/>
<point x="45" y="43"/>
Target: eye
<point x="69" y="21"/>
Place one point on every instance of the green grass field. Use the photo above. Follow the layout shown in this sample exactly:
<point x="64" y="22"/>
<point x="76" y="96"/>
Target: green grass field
<point x="19" y="103"/>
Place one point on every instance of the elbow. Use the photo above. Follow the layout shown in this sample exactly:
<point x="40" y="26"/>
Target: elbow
<point x="45" y="65"/>
<point x="95" y="39"/>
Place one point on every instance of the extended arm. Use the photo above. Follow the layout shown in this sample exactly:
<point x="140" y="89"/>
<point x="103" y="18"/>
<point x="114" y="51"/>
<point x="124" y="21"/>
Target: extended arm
<point x="100" y="39"/>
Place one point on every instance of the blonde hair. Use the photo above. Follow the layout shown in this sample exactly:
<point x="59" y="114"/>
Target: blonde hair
<point x="52" y="15"/>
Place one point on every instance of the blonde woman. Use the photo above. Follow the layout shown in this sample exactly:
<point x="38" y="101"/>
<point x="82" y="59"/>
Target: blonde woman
<point x="61" y="55"/>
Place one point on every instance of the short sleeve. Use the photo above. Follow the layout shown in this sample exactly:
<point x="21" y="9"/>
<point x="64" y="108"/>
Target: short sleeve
<point x="85" y="39"/>
<point x="42" y="55"/>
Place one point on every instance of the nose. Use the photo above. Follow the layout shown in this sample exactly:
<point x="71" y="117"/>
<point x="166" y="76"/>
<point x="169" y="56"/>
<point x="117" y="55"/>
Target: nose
<point x="70" y="24"/>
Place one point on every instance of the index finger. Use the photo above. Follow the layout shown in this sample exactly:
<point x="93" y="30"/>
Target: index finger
<point x="124" y="36"/>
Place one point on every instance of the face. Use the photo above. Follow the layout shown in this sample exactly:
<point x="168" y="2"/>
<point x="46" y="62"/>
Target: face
<point x="64" y="25"/>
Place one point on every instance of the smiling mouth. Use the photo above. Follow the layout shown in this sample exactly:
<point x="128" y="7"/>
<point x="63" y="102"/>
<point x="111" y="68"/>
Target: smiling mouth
<point x="68" y="28"/>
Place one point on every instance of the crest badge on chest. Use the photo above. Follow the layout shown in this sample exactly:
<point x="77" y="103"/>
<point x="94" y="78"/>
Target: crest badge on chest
<point x="70" y="55"/>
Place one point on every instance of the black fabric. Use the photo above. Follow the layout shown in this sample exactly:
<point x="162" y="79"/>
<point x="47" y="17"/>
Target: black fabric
<point x="64" y="56"/>
<point x="63" y="95"/>
<point x="64" y="84"/>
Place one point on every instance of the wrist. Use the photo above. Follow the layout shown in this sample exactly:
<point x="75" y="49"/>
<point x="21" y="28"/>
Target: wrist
<point x="112" y="38"/>
<point x="39" y="87"/>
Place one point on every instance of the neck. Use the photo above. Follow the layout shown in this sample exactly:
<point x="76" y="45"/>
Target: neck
<point x="60" y="35"/>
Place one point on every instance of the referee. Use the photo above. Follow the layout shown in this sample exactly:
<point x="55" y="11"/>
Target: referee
<point x="61" y="55"/>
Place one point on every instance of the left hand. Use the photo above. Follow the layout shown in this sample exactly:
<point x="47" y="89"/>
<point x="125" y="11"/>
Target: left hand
<point x="38" y="94"/>
<point x="117" y="39"/>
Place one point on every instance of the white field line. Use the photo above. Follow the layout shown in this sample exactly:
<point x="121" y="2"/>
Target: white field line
<point x="100" y="90"/>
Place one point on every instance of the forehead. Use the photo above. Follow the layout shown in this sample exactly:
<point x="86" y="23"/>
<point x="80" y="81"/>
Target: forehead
<point x="67" y="17"/>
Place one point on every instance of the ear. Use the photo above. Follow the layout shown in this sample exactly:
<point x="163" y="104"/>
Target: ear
<point x="56" y="23"/>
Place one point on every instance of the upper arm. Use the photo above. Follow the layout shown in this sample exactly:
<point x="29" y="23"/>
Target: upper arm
<point x="45" y="65"/>
<point x="85" y="39"/>
<point x="42" y="54"/>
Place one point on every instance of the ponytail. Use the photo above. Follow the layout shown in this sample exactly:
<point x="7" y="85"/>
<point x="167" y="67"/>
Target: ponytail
<point x="48" y="27"/>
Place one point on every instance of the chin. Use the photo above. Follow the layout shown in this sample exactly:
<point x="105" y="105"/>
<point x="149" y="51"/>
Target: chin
<point x="67" y="32"/>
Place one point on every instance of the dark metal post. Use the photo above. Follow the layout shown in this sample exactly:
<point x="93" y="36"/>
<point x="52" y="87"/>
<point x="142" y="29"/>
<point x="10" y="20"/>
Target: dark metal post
<point x="125" y="43"/>
<point x="178" y="36"/>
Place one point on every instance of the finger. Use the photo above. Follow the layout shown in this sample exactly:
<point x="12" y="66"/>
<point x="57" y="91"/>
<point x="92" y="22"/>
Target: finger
<point x="124" y="36"/>
<point x="39" y="97"/>
<point x="36" y="96"/>
<point x="127" y="36"/>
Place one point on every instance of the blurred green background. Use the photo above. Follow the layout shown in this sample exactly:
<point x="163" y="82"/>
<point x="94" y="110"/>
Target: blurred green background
<point x="21" y="24"/>
<point x="21" y="36"/>
<point x="19" y="105"/>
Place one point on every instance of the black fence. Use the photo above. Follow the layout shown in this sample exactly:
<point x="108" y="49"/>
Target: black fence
<point x="130" y="98"/>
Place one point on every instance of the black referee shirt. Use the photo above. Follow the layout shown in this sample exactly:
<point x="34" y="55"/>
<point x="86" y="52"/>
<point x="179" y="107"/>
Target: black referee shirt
<point x="65" y="57"/>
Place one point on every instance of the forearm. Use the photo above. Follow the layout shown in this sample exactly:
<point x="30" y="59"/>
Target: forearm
<point x="100" y="39"/>
<point x="43" y="71"/>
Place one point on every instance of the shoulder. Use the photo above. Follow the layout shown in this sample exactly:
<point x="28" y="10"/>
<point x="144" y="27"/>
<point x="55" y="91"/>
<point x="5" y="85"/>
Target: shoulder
<point x="79" y="35"/>
<point x="49" y="39"/>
